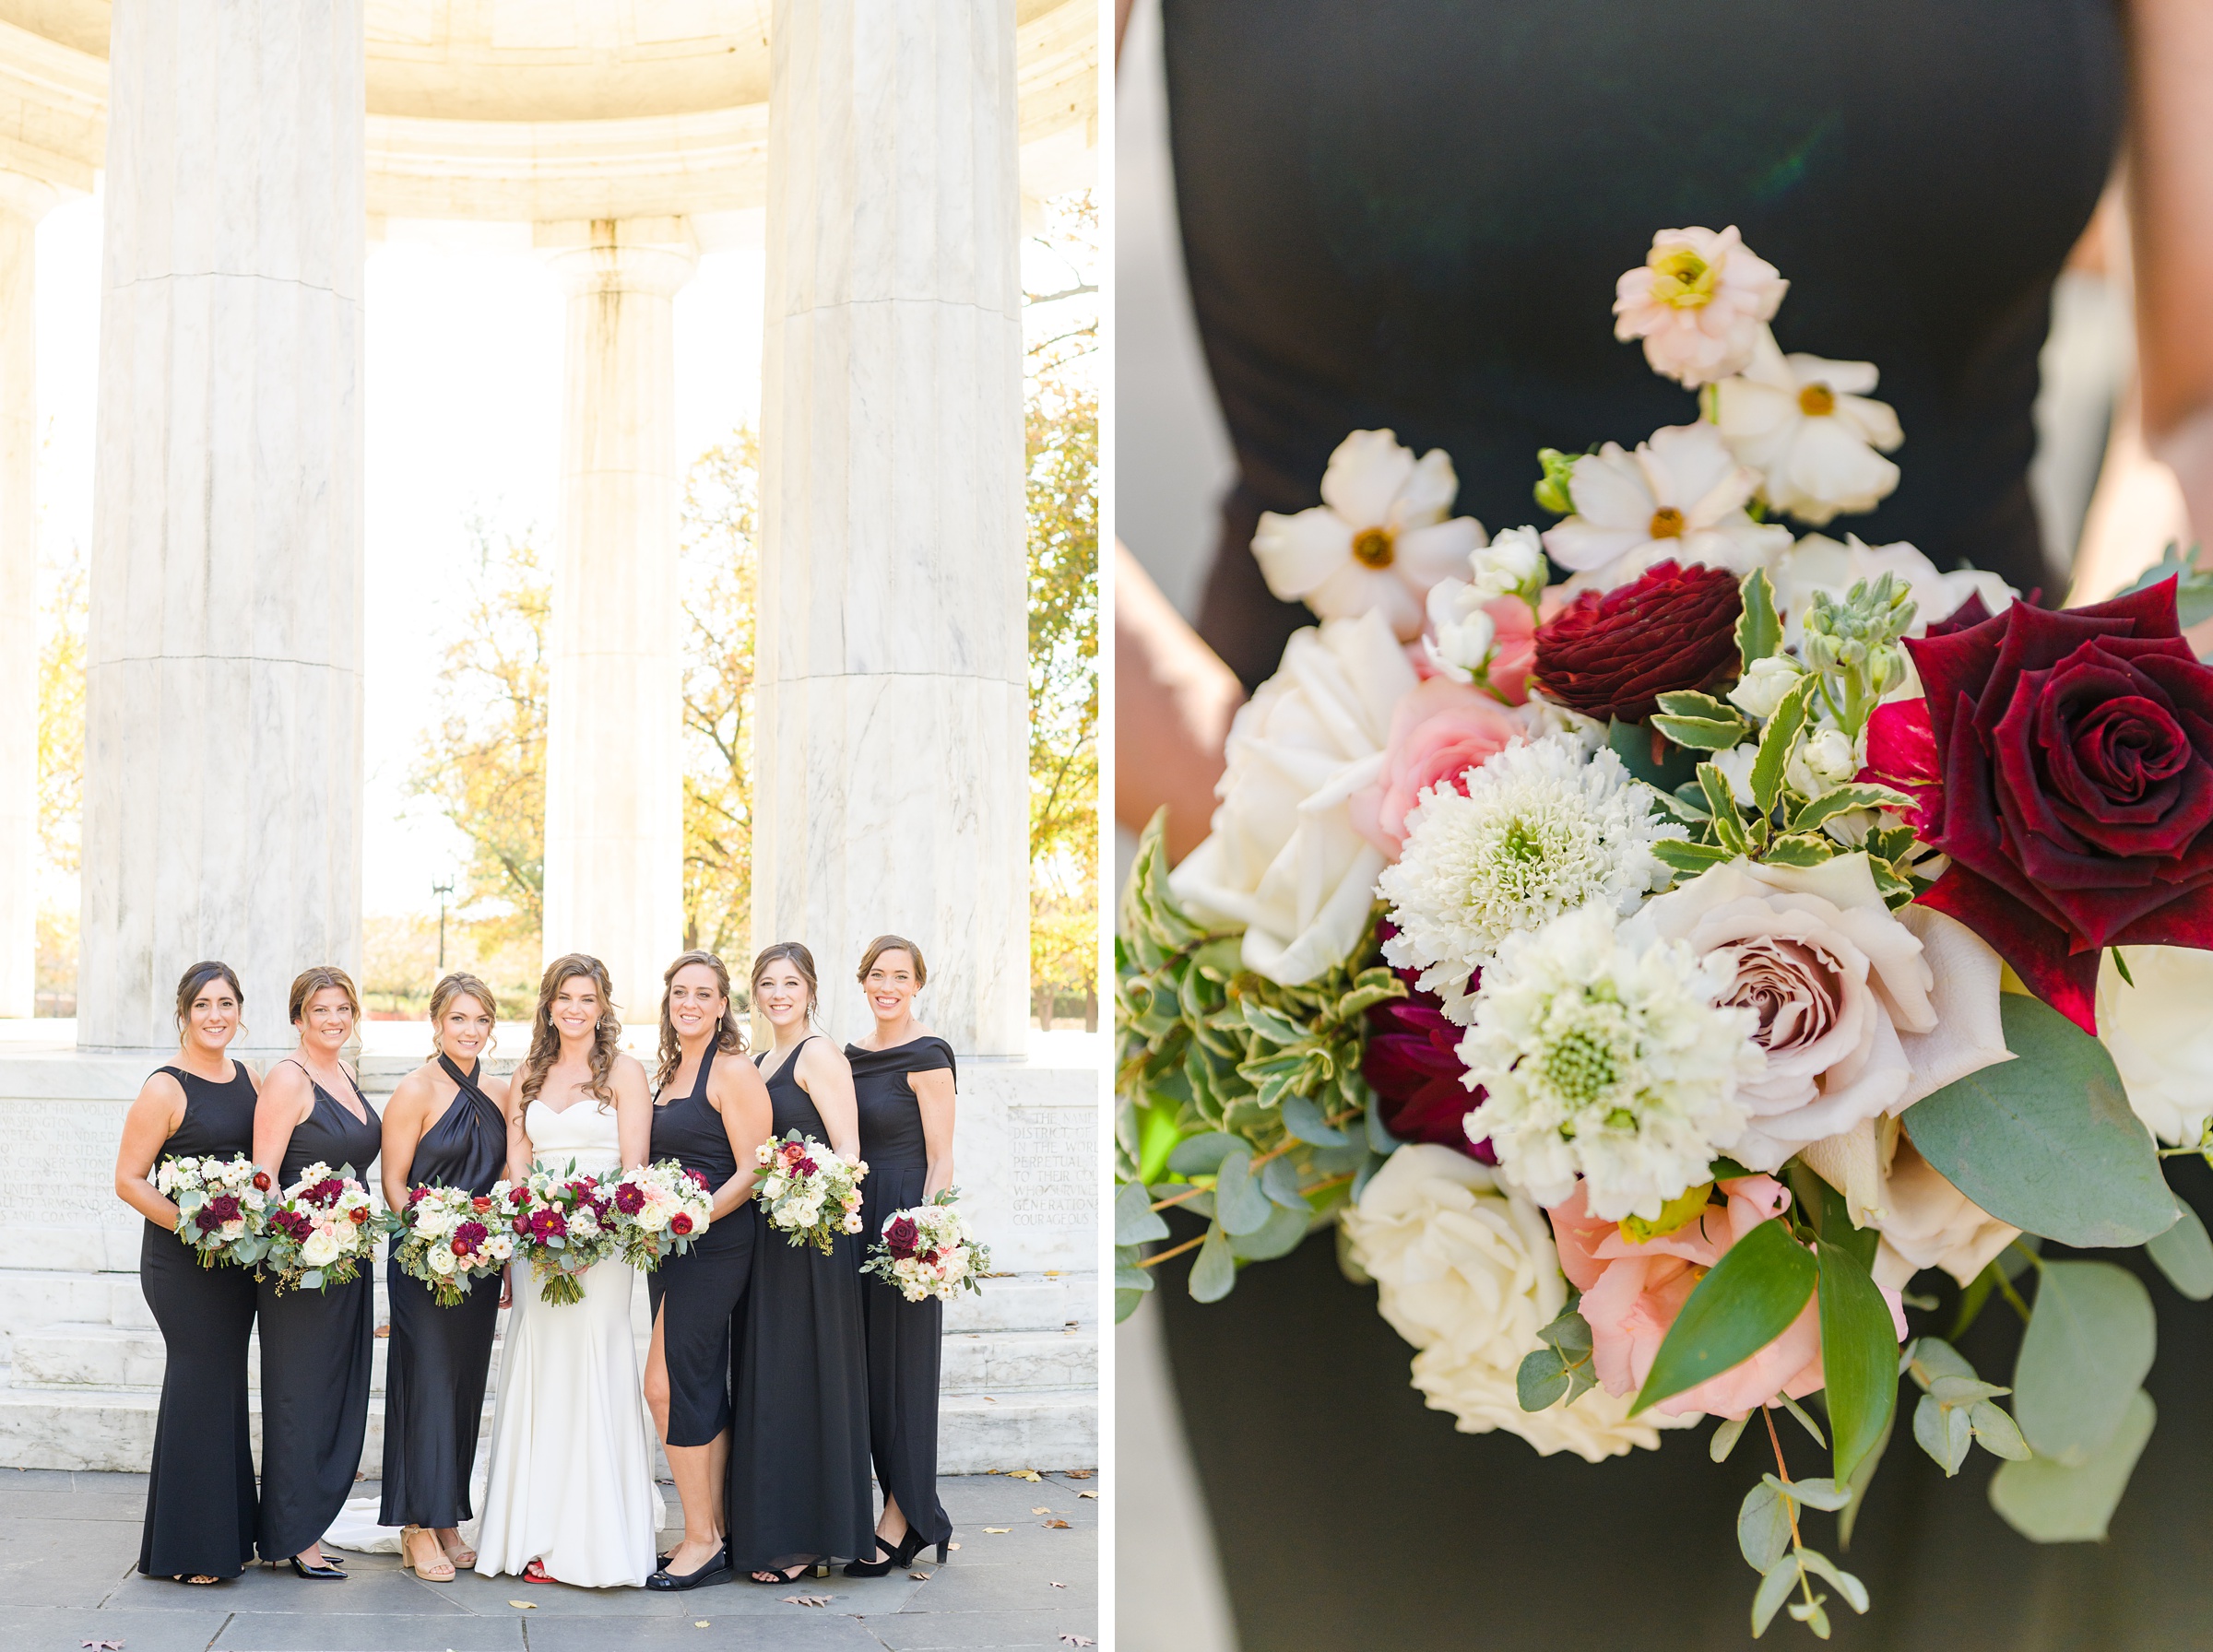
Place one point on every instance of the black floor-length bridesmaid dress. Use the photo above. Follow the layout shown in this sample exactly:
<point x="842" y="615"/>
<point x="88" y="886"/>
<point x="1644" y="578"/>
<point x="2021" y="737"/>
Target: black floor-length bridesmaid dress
<point x="199" y="1494"/>
<point x="438" y="1360"/>
<point x="697" y="1295"/>
<point x="798" y="1478"/>
<point x="904" y="1339"/>
<point x="315" y="1353"/>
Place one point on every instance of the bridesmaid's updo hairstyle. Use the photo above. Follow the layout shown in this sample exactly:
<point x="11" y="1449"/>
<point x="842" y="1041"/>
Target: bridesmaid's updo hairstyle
<point x="892" y="943"/>
<point x="799" y="956"/>
<point x="730" y="1037"/>
<point x="459" y="983"/>
<point x="310" y="981"/>
<point x="545" y="1038"/>
<point x="195" y="979"/>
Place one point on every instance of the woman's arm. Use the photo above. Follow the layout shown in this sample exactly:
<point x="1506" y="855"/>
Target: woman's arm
<point x="634" y="1110"/>
<point x="406" y="1117"/>
<point x="827" y="1078"/>
<point x="520" y="1153"/>
<point x="1172" y="701"/>
<point x="152" y="1120"/>
<point x="735" y="1090"/>
<point x="933" y="1092"/>
<point x="287" y="1098"/>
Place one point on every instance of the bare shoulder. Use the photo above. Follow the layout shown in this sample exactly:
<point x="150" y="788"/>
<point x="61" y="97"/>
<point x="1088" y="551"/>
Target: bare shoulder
<point x="496" y="1090"/>
<point x="161" y="1094"/>
<point x="286" y="1081"/>
<point x="821" y="1055"/>
<point x="629" y="1075"/>
<point x="414" y="1090"/>
<point x="734" y="1075"/>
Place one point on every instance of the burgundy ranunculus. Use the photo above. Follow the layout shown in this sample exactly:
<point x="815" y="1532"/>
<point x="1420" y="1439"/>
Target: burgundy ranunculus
<point x="479" y="1204"/>
<point x="261" y="1181"/>
<point x="679" y="1224"/>
<point x="1612" y="654"/>
<point x="2074" y="753"/>
<point x="629" y="1199"/>
<point x="901" y="1235"/>
<point x="1410" y="1066"/>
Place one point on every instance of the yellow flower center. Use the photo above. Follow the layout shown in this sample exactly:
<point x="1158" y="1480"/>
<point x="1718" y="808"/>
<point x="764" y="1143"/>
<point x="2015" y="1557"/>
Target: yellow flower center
<point x="1683" y="280"/>
<point x="1666" y="524"/>
<point x="1371" y="547"/>
<point x="1817" y="401"/>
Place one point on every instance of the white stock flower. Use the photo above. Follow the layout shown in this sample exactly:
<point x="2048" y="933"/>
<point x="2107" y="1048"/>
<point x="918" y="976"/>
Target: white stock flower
<point x="1817" y="562"/>
<point x="2161" y="1036"/>
<point x="1760" y="689"/>
<point x="1698" y="301"/>
<point x="1283" y="859"/>
<point x="1460" y="635"/>
<point x="1823" y="760"/>
<point x="1377" y="541"/>
<point x="1542" y="827"/>
<point x="1510" y="565"/>
<point x="1608" y="1059"/>
<point x="1681" y="494"/>
<point x="1810" y="429"/>
<point x="1466" y="1272"/>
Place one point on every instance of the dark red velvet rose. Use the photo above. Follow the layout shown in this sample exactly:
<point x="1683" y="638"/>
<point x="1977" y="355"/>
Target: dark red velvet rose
<point x="225" y="1208"/>
<point x="2074" y="753"/>
<point x="901" y="1236"/>
<point x="1612" y="654"/>
<point x="1410" y="1066"/>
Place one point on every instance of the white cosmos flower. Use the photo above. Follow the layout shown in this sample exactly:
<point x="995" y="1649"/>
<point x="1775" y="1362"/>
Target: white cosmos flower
<point x="1283" y="859"/>
<point x="1698" y="301"/>
<point x="1466" y="1272"/>
<point x="1681" y="494"/>
<point x="1377" y="541"/>
<point x="1817" y="562"/>
<point x="1542" y="827"/>
<point x="2161" y="1037"/>
<point x="1810" y="429"/>
<point x="1609" y="1059"/>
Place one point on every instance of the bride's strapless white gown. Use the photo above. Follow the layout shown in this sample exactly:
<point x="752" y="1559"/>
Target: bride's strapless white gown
<point x="570" y="1475"/>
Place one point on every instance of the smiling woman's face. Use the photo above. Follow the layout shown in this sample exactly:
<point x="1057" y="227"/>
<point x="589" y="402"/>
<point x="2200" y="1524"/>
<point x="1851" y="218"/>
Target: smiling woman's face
<point x="326" y="1019"/>
<point x="782" y="994"/>
<point x="696" y="1003"/>
<point x="465" y="1028"/>
<point x="576" y="1007"/>
<point x="211" y="1021"/>
<point x="891" y="985"/>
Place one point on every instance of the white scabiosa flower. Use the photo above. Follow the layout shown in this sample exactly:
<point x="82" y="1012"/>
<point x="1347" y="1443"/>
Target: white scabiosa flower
<point x="1680" y="495"/>
<point x="1542" y="827"/>
<point x="1377" y="541"/>
<point x="1698" y="301"/>
<point x="1610" y="1060"/>
<point x="1809" y="428"/>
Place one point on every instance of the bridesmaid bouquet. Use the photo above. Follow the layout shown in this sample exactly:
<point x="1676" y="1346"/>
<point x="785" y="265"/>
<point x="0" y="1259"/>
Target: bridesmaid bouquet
<point x="929" y="1251"/>
<point x="220" y="1204"/>
<point x="449" y="1238"/>
<point x="660" y="1209"/>
<point x="563" y="1224"/>
<point x="322" y="1230"/>
<point x="808" y="1192"/>
<point x="1651" y="973"/>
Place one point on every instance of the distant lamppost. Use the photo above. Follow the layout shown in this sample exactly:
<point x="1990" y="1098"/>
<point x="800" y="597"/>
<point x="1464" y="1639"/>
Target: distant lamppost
<point x="443" y="891"/>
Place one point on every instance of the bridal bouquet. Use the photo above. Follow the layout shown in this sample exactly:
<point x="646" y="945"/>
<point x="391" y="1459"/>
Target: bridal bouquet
<point x="449" y="1238"/>
<point x="219" y="1206"/>
<point x="563" y="1222"/>
<point x="929" y="1251"/>
<point x="321" y="1231"/>
<point x="1653" y="972"/>
<point x="809" y="1193"/>
<point x="660" y="1209"/>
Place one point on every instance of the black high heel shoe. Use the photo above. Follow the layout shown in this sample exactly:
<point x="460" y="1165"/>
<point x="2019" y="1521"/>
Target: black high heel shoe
<point x="716" y="1570"/>
<point x="901" y="1553"/>
<point x="325" y="1572"/>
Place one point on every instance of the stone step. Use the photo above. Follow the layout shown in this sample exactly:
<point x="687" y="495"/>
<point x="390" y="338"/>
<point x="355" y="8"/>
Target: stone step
<point x="112" y="1429"/>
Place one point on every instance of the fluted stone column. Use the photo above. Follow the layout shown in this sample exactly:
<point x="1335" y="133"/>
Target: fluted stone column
<point x="614" y="753"/>
<point x="23" y="201"/>
<point x="223" y="715"/>
<point x="890" y="786"/>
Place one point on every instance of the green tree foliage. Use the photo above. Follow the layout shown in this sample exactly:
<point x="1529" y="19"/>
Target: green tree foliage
<point x="720" y="577"/>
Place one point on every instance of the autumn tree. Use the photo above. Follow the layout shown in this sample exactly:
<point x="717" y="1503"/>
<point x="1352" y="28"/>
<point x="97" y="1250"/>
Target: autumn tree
<point x="62" y="620"/>
<point x="719" y="572"/>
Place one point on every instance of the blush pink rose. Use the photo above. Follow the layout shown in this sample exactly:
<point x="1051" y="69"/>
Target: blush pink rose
<point x="1438" y="732"/>
<point x="1632" y="1293"/>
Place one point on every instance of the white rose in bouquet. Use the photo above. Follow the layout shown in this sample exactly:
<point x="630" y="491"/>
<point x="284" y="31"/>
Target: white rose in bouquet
<point x="320" y="1248"/>
<point x="441" y="1259"/>
<point x="2161" y="1036"/>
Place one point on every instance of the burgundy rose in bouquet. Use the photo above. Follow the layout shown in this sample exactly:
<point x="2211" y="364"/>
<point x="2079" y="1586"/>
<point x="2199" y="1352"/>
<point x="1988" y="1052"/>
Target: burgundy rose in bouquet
<point x="2071" y="782"/>
<point x="901" y="1236"/>
<point x="1612" y="654"/>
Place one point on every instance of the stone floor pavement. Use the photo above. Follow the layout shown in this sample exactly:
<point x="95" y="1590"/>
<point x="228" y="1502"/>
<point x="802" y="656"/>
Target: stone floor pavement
<point x="69" y="1546"/>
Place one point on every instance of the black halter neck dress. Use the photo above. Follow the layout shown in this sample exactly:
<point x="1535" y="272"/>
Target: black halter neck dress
<point x="697" y="1295"/>
<point x="438" y="1360"/>
<point x="200" y="1505"/>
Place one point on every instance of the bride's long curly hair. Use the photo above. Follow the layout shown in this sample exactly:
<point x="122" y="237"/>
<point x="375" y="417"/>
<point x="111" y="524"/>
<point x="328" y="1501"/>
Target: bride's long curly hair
<point x="545" y="1038"/>
<point x="729" y="1038"/>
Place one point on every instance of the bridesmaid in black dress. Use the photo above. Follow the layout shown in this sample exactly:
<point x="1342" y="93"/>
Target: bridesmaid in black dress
<point x="315" y="1345"/>
<point x="718" y="1115"/>
<point x="903" y="1082"/>
<point x="799" y="1490"/>
<point x="444" y="1126"/>
<point x="199" y="1495"/>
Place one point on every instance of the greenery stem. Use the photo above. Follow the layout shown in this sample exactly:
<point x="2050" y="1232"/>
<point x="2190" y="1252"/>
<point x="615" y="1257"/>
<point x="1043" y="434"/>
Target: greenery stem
<point x="1163" y="1255"/>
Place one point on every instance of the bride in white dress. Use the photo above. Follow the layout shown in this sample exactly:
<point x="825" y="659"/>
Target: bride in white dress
<point x="569" y="1495"/>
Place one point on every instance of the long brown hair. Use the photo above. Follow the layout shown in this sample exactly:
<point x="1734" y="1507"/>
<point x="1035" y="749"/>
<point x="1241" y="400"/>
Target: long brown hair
<point x="545" y="1040"/>
<point x="800" y="960"/>
<point x="460" y="983"/>
<point x="729" y="1039"/>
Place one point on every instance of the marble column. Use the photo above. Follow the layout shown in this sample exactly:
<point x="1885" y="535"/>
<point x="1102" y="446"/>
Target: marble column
<point x="614" y="743"/>
<point x="891" y="784"/>
<point x="223" y="713"/>
<point x="23" y="201"/>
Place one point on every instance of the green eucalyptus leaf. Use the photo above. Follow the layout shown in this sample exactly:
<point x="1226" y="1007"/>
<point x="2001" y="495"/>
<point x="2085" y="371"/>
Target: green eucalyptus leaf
<point x="1240" y="1204"/>
<point x="1214" y="1274"/>
<point x="1758" y="629"/>
<point x="1927" y="1358"/>
<point x="1279" y="1181"/>
<point x="1201" y="1155"/>
<point x="2047" y="1141"/>
<point x="1774" y="1589"/>
<point x="1944" y="1431"/>
<point x="1859" y="1356"/>
<point x="2185" y="1254"/>
<point x="2052" y="1503"/>
<point x="1302" y="1116"/>
<point x="1804" y="1420"/>
<point x="1746" y="1302"/>
<point x="1763" y="1526"/>
<point x="1278" y="1236"/>
<point x="1726" y="1435"/>
<point x="1135" y="1220"/>
<point x="1542" y="1379"/>
<point x="2089" y="1344"/>
<point x="1821" y="1493"/>
<point x="1998" y="1434"/>
<point x="1380" y="1141"/>
<point x="1850" y="1588"/>
<point x="1125" y="1304"/>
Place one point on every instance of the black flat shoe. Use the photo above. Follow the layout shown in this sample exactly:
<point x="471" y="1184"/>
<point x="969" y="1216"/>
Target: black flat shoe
<point x="715" y="1571"/>
<point x="324" y="1573"/>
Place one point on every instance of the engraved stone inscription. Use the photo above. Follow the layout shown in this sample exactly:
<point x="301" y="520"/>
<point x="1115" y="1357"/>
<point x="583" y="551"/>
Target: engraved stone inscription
<point x="1056" y="1173"/>
<point x="66" y="1149"/>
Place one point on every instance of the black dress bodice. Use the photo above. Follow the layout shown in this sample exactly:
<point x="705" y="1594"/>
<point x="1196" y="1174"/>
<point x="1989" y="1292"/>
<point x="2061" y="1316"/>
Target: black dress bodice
<point x="891" y="1114"/>
<point x="468" y="1146"/>
<point x="1410" y="214"/>
<point x="218" y="1118"/>
<point x="331" y="1135"/>
<point x="790" y="1107"/>
<point x="689" y="1130"/>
